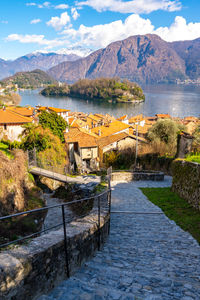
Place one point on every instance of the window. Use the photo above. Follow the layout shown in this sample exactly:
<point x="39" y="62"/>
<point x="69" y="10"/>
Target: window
<point x="5" y="126"/>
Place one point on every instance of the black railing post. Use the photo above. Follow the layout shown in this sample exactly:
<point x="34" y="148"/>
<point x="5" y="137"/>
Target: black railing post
<point x="65" y="241"/>
<point x="109" y="202"/>
<point x="99" y="223"/>
<point x="34" y="157"/>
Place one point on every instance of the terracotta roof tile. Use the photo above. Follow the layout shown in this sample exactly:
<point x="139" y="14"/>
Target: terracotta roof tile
<point x="191" y="119"/>
<point x="122" y="118"/>
<point x="10" y="117"/>
<point x="111" y="128"/>
<point x="142" y="129"/>
<point x="163" y="116"/>
<point x="57" y="110"/>
<point x="24" y="111"/>
<point x="136" y="118"/>
<point x="84" y="139"/>
<point x="105" y="141"/>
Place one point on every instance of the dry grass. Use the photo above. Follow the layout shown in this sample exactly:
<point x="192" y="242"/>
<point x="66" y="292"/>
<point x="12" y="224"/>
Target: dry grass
<point x="158" y="147"/>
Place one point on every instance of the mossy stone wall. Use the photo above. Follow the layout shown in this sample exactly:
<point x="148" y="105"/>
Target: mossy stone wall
<point x="186" y="181"/>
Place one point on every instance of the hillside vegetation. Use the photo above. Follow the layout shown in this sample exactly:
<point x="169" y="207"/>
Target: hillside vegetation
<point x="33" y="79"/>
<point x="10" y="99"/>
<point x="100" y="88"/>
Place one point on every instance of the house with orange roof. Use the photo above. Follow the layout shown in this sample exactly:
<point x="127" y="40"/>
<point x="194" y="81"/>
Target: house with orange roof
<point x="11" y="124"/>
<point x="60" y="111"/>
<point x="139" y="119"/>
<point x="123" y="119"/>
<point x="191" y="119"/>
<point x="23" y="111"/>
<point x="99" y="119"/>
<point x="82" y="149"/>
<point x="110" y="129"/>
<point x="142" y="130"/>
<point x="116" y="142"/>
<point x="163" y="116"/>
<point x="86" y="149"/>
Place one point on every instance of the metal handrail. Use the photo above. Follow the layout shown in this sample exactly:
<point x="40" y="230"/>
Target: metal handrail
<point x="62" y="206"/>
<point x="52" y="206"/>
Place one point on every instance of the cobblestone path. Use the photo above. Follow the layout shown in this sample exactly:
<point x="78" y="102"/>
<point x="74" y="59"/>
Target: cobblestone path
<point x="145" y="257"/>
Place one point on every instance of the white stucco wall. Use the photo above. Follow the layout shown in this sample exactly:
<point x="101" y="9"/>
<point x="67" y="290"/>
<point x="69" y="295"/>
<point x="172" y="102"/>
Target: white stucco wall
<point x="12" y="132"/>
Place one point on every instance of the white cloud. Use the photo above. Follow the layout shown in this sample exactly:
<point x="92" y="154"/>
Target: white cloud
<point x="4" y="22"/>
<point x="59" y="22"/>
<point x="35" y="21"/>
<point x="179" y="30"/>
<point x="61" y="6"/>
<point x="31" y="4"/>
<point x="131" y="6"/>
<point x="38" y="39"/>
<point x="101" y="35"/>
<point x="74" y="13"/>
<point x="44" y="5"/>
<point x="47" y="4"/>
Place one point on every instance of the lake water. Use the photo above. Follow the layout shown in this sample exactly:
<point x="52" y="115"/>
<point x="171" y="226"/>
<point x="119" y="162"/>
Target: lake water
<point x="178" y="101"/>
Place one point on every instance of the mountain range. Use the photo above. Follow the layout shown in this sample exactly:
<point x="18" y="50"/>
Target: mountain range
<point x="41" y="60"/>
<point x="141" y="58"/>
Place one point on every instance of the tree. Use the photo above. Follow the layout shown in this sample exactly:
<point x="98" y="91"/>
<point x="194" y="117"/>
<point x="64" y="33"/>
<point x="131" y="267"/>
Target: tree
<point x="196" y="142"/>
<point x="50" y="150"/>
<point x="35" y="136"/>
<point x="54" y="122"/>
<point x="164" y="132"/>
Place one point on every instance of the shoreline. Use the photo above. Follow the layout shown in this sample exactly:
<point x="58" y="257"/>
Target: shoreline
<point x="108" y="100"/>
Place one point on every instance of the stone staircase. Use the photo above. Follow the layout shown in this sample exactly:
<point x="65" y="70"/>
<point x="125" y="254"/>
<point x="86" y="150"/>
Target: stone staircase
<point x="146" y="256"/>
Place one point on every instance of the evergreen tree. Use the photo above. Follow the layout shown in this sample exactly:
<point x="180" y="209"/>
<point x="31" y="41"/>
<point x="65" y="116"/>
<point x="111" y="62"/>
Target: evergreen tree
<point x="54" y="122"/>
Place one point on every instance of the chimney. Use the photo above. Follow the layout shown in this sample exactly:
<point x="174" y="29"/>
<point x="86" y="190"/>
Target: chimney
<point x="99" y="132"/>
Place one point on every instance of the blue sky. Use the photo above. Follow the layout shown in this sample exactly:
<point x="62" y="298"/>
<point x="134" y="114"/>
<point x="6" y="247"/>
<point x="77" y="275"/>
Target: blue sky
<point x="28" y="25"/>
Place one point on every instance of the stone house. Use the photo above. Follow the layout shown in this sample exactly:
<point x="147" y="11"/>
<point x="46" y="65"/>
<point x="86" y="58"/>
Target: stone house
<point x="86" y="149"/>
<point x="115" y="142"/>
<point x="82" y="150"/>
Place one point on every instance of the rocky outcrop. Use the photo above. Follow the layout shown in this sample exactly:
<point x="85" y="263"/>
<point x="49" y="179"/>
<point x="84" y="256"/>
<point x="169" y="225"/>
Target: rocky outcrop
<point x="189" y="52"/>
<point x="14" y="183"/>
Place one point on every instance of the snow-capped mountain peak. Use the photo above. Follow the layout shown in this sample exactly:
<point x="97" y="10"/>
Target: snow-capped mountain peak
<point x="79" y="51"/>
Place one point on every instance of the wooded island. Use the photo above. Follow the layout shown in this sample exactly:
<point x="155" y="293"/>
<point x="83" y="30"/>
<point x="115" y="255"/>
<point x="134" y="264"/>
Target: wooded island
<point x="109" y="89"/>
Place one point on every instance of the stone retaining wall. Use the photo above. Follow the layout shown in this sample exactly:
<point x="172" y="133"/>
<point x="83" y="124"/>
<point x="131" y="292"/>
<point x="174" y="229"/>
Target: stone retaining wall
<point x="155" y="162"/>
<point x="30" y="270"/>
<point x="186" y="181"/>
<point x="130" y="176"/>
